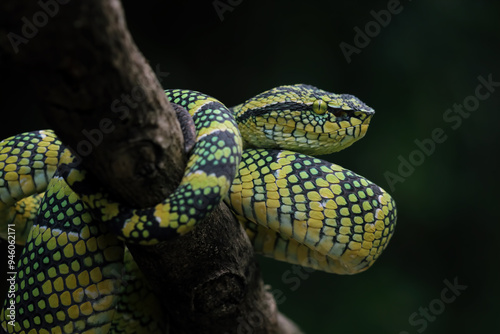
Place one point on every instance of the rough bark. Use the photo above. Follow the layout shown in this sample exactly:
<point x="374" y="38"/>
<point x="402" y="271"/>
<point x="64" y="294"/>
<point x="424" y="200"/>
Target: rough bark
<point x="98" y="92"/>
<point x="101" y="97"/>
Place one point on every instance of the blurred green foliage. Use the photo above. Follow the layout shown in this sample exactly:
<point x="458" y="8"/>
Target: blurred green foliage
<point x="425" y="60"/>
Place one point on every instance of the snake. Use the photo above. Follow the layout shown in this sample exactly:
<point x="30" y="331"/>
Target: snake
<point x="75" y="273"/>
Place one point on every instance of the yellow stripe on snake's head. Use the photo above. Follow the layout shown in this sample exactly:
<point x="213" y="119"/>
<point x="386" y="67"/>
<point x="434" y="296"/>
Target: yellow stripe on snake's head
<point x="304" y="119"/>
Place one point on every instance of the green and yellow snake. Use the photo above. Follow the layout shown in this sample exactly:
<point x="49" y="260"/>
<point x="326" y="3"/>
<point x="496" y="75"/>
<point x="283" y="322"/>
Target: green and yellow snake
<point x="294" y="208"/>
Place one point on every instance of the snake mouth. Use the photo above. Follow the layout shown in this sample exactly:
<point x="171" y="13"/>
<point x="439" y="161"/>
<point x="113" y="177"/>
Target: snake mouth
<point x="331" y="137"/>
<point x="355" y="131"/>
<point x="351" y="127"/>
<point x="320" y="139"/>
<point x="351" y="130"/>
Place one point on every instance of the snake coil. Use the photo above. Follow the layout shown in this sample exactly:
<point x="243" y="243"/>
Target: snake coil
<point x="254" y="156"/>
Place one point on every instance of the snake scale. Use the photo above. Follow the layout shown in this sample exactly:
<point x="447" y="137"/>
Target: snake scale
<point x="75" y="274"/>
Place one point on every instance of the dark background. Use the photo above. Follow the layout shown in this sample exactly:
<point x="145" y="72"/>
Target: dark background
<point x="425" y="60"/>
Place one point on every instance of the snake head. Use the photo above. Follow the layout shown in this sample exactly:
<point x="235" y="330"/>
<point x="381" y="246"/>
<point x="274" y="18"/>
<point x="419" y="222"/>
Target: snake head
<point x="304" y="119"/>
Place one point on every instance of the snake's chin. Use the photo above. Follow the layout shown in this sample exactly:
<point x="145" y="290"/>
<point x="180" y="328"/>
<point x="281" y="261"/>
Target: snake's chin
<point x="337" y="141"/>
<point x="350" y="135"/>
<point x="332" y="141"/>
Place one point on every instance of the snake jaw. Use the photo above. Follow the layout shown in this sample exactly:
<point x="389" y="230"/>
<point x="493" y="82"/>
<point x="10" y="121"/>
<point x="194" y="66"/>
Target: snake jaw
<point x="325" y="138"/>
<point x="321" y="135"/>
<point x="347" y="136"/>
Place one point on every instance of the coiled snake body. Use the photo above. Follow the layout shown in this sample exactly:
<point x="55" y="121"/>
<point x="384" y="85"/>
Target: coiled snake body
<point x="294" y="208"/>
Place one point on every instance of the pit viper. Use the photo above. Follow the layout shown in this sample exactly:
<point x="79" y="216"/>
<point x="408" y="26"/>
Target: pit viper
<point x="75" y="273"/>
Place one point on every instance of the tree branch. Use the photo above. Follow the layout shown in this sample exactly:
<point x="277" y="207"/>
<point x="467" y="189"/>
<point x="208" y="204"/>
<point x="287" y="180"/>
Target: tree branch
<point x="103" y="100"/>
<point x="99" y="94"/>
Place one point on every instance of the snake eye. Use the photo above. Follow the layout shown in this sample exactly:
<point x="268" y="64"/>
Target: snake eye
<point x="319" y="107"/>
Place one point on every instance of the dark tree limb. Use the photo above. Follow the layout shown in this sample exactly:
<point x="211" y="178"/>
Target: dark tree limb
<point x="98" y="93"/>
<point x="104" y="101"/>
